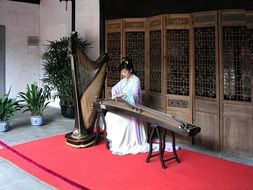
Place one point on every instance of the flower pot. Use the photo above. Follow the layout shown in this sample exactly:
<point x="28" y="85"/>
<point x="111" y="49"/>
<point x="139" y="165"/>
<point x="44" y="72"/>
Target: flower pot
<point x="4" y="126"/>
<point x="68" y="111"/>
<point x="37" y="120"/>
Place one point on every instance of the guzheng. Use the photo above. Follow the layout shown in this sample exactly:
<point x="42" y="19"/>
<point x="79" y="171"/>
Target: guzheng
<point x="150" y="115"/>
<point x="159" y="121"/>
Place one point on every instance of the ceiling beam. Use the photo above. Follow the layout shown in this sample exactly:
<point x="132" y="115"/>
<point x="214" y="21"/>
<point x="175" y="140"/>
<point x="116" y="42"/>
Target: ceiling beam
<point x="28" y="1"/>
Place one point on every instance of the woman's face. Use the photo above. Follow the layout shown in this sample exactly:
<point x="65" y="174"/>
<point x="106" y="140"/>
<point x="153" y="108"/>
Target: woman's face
<point x="125" y="73"/>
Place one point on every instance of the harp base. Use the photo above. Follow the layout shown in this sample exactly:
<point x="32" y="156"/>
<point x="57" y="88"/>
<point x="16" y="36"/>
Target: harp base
<point x="80" y="141"/>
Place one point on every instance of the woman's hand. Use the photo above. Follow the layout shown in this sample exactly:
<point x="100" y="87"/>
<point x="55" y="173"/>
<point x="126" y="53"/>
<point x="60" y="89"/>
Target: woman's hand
<point x="118" y="96"/>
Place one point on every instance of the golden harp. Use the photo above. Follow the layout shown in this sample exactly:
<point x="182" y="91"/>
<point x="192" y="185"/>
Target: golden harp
<point x="88" y="80"/>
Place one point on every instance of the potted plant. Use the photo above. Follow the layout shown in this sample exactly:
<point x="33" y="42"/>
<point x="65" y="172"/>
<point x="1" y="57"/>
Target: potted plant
<point x="35" y="101"/>
<point x="57" y="72"/>
<point x="8" y="107"/>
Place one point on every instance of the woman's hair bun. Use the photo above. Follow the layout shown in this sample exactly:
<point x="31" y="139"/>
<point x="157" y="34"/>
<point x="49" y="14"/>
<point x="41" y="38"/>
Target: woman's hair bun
<point x="126" y="63"/>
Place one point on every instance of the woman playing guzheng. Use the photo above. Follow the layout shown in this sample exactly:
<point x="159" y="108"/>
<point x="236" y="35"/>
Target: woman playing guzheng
<point x="126" y="134"/>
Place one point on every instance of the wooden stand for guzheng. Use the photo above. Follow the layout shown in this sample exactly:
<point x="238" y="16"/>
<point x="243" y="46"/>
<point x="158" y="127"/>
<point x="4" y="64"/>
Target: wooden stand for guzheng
<point x="162" y="140"/>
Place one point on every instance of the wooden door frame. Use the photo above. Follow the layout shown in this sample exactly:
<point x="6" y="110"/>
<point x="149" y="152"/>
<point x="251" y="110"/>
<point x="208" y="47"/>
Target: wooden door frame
<point x="2" y="60"/>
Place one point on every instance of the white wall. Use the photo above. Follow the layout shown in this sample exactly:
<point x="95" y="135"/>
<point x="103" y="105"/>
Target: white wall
<point x="55" y="21"/>
<point x="22" y="65"/>
<point x="87" y="23"/>
<point x="49" y="21"/>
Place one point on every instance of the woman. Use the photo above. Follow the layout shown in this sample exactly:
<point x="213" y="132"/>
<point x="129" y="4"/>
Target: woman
<point x="126" y="134"/>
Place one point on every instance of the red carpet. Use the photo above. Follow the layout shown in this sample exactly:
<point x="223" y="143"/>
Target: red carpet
<point x="96" y="168"/>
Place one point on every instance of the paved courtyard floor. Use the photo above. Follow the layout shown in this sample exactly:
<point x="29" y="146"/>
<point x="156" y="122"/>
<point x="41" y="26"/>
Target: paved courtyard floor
<point x="13" y="178"/>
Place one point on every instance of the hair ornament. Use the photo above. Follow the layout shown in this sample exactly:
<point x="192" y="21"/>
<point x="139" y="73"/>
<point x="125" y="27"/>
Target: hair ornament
<point x="124" y="60"/>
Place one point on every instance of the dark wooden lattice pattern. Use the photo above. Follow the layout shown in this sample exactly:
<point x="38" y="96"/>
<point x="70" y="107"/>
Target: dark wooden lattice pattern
<point x="113" y="50"/>
<point x="155" y="61"/>
<point x="135" y="49"/>
<point x="178" y="61"/>
<point x="204" y="56"/>
<point x="249" y="53"/>
<point x="237" y="75"/>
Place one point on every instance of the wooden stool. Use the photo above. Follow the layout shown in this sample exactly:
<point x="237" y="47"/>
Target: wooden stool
<point x="161" y="138"/>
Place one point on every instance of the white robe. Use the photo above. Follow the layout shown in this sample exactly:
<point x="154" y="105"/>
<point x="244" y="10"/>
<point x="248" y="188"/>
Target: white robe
<point x="126" y="134"/>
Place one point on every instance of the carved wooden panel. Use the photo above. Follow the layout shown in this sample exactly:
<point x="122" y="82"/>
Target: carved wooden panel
<point x="178" y="61"/>
<point x="113" y="46"/>
<point x="204" y="19"/>
<point x="113" y="50"/>
<point x="155" y="23"/>
<point x="233" y="18"/>
<point x="111" y="26"/>
<point x="177" y="103"/>
<point x="205" y="61"/>
<point x="236" y="66"/>
<point x="249" y="19"/>
<point x="155" y="51"/>
<point x="133" y="24"/>
<point x="177" y="20"/>
<point x="179" y="107"/>
<point x="135" y="49"/>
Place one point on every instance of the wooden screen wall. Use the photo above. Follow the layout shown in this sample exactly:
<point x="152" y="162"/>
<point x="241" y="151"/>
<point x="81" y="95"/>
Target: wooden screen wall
<point x="195" y="66"/>
<point x="236" y="82"/>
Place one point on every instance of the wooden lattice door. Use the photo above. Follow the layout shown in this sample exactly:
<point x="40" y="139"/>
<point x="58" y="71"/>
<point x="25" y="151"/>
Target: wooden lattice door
<point x="236" y="82"/>
<point x="113" y="34"/>
<point x="178" y="78"/>
<point x="206" y="78"/>
<point x="134" y="46"/>
<point x="155" y="70"/>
